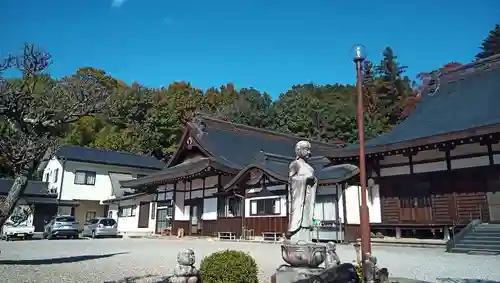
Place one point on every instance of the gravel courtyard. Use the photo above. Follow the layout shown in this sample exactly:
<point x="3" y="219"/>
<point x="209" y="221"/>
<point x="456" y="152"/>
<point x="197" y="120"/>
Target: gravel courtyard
<point x="150" y="260"/>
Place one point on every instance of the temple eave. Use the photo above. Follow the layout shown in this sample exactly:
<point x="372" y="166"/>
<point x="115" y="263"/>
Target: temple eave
<point x="188" y="169"/>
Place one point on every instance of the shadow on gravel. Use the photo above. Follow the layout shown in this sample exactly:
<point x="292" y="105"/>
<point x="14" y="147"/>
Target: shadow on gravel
<point x="464" y="280"/>
<point x="59" y="260"/>
<point x="137" y="279"/>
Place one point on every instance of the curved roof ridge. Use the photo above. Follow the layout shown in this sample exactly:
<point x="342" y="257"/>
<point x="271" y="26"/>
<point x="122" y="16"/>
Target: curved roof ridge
<point x="277" y="157"/>
<point x="265" y="131"/>
<point x="262" y="167"/>
<point x="492" y="62"/>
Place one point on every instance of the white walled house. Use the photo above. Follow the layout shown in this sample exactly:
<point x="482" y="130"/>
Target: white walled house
<point x="135" y="214"/>
<point x="91" y="176"/>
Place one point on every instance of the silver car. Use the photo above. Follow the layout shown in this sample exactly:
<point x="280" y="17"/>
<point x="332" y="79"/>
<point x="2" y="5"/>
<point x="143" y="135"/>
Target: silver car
<point x="100" y="227"/>
<point x="62" y="226"/>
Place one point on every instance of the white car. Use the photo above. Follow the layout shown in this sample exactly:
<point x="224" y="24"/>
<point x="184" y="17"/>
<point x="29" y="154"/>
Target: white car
<point x="24" y="230"/>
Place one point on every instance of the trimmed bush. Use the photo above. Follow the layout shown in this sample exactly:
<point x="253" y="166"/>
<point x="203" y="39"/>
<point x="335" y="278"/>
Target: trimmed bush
<point x="229" y="267"/>
<point x="359" y="271"/>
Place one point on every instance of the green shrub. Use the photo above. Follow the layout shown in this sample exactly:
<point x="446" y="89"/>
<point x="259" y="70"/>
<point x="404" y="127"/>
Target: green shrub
<point x="359" y="271"/>
<point x="229" y="267"/>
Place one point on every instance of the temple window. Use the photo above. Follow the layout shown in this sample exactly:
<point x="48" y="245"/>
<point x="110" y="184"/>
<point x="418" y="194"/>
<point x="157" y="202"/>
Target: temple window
<point x="267" y="206"/>
<point x="229" y="206"/>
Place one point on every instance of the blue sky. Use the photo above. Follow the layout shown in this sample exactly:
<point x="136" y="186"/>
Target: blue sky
<point x="266" y="44"/>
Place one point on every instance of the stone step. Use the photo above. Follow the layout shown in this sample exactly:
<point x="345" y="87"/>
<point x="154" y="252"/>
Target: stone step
<point x="488" y="226"/>
<point x="478" y="246"/>
<point x="479" y="242"/>
<point x="474" y="251"/>
<point x="485" y="232"/>
<point x="480" y="237"/>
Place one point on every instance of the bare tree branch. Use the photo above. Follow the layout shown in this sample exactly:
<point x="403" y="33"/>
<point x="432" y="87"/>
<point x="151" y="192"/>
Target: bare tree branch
<point x="34" y="109"/>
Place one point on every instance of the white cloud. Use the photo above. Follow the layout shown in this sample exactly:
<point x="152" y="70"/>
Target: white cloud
<point x="117" y="3"/>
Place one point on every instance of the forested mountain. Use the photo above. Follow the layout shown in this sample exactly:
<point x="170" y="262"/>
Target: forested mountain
<point x="96" y="110"/>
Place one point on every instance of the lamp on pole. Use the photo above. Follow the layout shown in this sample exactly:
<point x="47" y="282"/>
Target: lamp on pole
<point x="358" y="58"/>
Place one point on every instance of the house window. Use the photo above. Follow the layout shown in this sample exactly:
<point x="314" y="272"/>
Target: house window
<point x="127" y="211"/>
<point x="268" y="206"/>
<point x="324" y="208"/>
<point x="84" y="178"/>
<point x="229" y="207"/>
<point x="56" y="174"/>
<point x="90" y="215"/>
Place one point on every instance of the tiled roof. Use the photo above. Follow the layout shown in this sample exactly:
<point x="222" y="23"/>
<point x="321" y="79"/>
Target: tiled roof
<point x="34" y="187"/>
<point x="239" y="144"/>
<point x="185" y="168"/>
<point x="466" y="98"/>
<point x="231" y="147"/>
<point x="278" y="168"/>
<point x="102" y="156"/>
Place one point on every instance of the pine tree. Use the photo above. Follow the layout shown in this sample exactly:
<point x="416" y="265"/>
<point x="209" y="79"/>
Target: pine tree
<point x="491" y="45"/>
<point x="393" y="87"/>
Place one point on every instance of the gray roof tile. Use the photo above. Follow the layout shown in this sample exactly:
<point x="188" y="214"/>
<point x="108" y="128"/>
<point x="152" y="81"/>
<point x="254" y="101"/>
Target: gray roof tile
<point x="467" y="98"/>
<point x="102" y="156"/>
<point x="239" y="144"/>
<point x="34" y="187"/>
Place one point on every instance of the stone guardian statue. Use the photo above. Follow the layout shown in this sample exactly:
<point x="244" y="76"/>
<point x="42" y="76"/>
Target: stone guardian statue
<point x="185" y="271"/>
<point x="302" y="195"/>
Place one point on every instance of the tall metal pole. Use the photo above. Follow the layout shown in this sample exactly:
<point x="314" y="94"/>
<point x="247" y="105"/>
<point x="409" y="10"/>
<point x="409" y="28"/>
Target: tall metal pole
<point x="364" y="212"/>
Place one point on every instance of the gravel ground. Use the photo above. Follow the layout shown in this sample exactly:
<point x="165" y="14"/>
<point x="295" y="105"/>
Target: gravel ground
<point x="151" y="260"/>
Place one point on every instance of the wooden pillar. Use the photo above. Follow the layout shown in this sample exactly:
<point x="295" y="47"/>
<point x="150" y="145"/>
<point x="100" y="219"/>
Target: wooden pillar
<point x="454" y="206"/>
<point x="174" y="199"/>
<point x="344" y="208"/>
<point x="243" y="216"/>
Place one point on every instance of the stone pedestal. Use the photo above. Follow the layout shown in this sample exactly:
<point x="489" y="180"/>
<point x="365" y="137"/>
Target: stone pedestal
<point x="303" y="260"/>
<point x="289" y="274"/>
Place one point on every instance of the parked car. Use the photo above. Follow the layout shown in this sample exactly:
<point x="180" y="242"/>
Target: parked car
<point x="62" y="226"/>
<point x="100" y="227"/>
<point x="23" y="230"/>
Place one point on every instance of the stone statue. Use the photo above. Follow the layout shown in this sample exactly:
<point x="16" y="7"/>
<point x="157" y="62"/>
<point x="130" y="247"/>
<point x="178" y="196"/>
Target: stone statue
<point x="303" y="257"/>
<point x="369" y="268"/>
<point x="332" y="259"/>
<point x="302" y="194"/>
<point x="184" y="271"/>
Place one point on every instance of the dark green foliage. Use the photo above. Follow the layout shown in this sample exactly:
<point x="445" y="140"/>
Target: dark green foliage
<point x="491" y="45"/>
<point x="229" y="267"/>
<point x="150" y="121"/>
<point x="392" y="87"/>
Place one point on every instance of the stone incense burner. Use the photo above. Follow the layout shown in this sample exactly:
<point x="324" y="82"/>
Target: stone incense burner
<point x="303" y="255"/>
